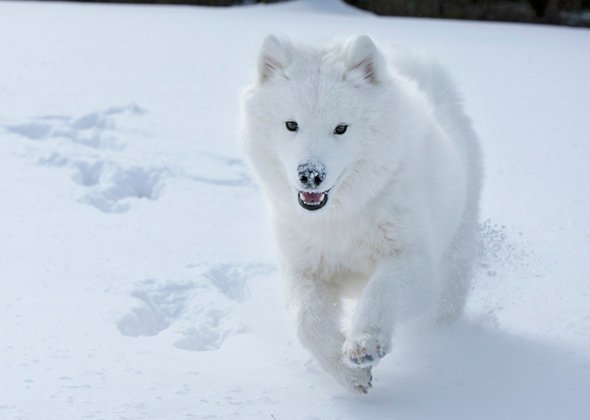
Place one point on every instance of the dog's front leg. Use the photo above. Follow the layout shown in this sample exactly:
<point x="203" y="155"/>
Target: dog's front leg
<point x="402" y="286"/>
<point x="316" y="309"/>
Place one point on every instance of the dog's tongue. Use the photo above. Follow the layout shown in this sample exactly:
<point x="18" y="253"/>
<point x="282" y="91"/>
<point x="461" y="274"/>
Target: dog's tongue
<point x="312" y="197"/>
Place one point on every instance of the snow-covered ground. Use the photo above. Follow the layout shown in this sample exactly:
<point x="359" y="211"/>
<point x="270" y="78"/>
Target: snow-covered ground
<point x="137" y="270"/>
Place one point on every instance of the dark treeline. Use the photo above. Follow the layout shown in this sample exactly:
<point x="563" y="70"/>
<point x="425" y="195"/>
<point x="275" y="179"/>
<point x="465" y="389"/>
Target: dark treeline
<point x="220" y="3"/>
<point x="561" y="12"/>
<point x="565" y="12"/>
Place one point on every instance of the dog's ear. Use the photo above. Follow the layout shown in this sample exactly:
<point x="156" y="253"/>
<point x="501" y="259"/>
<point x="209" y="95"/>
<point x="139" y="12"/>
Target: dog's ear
<point x="274" y="57"/>
<point x="363" y="60"/>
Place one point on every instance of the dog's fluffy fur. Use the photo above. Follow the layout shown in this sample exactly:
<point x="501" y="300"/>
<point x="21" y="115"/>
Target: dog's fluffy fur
<point x="393" y="201"/>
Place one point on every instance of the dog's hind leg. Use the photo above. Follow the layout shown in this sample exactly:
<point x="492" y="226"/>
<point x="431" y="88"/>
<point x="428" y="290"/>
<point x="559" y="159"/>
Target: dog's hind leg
<point x="457" y="277"/>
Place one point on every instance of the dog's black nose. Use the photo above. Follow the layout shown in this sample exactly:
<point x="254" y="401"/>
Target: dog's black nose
<point x="311" y="174"/>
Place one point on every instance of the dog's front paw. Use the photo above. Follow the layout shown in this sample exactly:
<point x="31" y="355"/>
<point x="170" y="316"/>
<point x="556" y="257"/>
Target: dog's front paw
<point x="364" y="350"/>
<point x="355" y="379"/>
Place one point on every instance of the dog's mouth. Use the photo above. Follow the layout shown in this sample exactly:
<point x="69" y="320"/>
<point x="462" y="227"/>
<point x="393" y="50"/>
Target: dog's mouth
<point x="312" y="200"/>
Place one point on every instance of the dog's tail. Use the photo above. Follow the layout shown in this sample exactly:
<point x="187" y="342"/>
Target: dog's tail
<point x="432" y="78"/>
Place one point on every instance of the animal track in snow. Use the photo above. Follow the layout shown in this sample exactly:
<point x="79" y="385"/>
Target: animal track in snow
<point x="97" y="147"/>
<point x="214" y="169"/>
<point x="95" y="129"/>
<point x="232" y="280"/>
<point x="208" y="333"/>
<point x="88" y="173"/>
<point x="158" y="305"/>
<point x="200" y="311"/>
<point x="114" y="188"/>
<point x="111" y="186"/>
<point x="33" y="130"/>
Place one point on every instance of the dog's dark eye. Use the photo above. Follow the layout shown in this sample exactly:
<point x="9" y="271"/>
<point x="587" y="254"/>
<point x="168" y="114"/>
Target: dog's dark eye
<point x="292" y="125"/>
<point x="340" y="129"/>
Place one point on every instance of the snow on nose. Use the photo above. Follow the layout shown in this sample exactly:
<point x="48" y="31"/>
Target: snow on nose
<point x="311" y="174"/>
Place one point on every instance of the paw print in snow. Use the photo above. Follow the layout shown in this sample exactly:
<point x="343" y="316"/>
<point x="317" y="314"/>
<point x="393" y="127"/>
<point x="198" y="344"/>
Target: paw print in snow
<point x="116" y="188"/>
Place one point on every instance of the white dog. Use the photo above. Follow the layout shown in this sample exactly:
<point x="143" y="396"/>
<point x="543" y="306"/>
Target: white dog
<point x="373" y="178"/>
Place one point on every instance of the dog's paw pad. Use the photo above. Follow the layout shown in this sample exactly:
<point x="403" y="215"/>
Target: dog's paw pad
<point x="363" y="351"/>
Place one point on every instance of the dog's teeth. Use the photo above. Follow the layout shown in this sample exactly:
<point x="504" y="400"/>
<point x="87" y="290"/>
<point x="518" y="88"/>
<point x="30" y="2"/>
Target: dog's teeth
<point x="312" y="199"/>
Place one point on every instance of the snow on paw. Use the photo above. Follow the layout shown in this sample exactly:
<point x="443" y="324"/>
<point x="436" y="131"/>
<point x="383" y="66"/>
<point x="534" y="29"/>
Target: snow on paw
<point x="363" y="351"/>
<point x="356" y="379"/>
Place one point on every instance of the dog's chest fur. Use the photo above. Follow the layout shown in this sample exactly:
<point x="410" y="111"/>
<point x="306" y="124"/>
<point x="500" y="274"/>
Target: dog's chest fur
<point x="337" y="252"/>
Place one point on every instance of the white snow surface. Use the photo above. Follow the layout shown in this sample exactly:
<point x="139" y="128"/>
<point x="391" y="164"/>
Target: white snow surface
<point x="137" y="268"/>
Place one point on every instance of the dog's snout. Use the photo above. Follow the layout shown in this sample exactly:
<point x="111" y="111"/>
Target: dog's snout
<point x="311" y="174"/>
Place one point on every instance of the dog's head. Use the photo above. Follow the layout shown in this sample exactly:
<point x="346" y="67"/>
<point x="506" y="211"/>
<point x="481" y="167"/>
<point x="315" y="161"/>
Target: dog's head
<point x="317" y="125"/>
